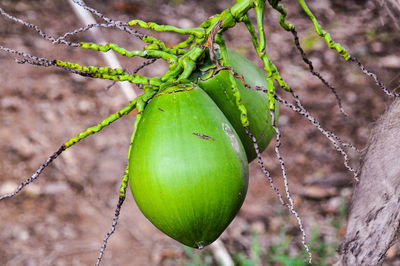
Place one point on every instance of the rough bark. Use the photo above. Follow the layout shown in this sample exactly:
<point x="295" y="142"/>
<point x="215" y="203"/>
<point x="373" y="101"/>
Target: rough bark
<point x="374" y="215"/>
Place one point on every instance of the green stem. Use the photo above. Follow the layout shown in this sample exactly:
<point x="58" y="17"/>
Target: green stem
<point x="229" y="17"/>
<point x="252" y="31"/>
<point x="198" y="32"/>
<point x="145" y="54"/>
<point x="282" y="19"/>
<point x="155" y="44"/>
<point x="149" y="92"/>
<point x="260" y="47"/>
<point x="101" y="125"/>
<point x="318" y="29"/>
<point x="234" y="87"/>
<point x="140" y="105"/>
<point x="185" y="43"/>
<point x="124" y="183"/>
<point x="172" y="73"/>
<point x="241" y="8"/>
<point x="188" y="62"/>
<point x="110" y="73"/>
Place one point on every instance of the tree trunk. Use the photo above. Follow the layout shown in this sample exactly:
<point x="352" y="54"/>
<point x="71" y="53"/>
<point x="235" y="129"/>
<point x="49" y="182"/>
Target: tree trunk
<point x="374" y="215"/>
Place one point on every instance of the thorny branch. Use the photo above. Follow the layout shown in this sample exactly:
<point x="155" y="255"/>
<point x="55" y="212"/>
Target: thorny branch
<point x="286" y="184"/>
<point x="315" y="73"/>
<point x="62" y="39"/>
<point x="112" y="229"/>
<point x="36" y="174"/>
<point x="335" y="140"/>
<point x="378" y="82"/>
<point x="116" y="23"/>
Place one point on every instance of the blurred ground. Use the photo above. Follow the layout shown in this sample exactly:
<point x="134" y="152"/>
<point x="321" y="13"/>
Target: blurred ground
<point x="61" y="218"/>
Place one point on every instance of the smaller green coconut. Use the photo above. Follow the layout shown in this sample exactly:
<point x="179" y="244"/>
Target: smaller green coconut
<point x="218" y="87"/>
<point x="188" y="170"/>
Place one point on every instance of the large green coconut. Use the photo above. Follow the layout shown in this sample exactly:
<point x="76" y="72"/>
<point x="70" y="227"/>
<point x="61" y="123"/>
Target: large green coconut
<point x="188" y="170"/>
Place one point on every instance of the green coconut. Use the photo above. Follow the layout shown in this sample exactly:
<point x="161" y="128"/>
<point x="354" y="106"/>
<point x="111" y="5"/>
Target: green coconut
<point x="188" y="170"/>
<point x="218" y="87"/>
